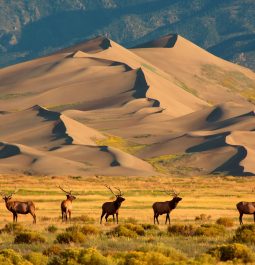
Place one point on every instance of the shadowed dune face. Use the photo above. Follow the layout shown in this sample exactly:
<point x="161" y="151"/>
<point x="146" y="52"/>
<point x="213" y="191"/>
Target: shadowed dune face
<point x="98" y="108"/>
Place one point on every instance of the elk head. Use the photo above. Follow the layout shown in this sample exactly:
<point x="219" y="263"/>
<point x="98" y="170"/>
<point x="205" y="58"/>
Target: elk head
<point x="174" y="194"/>
<point x="8" y="197"/>
<point x="69" y="195"/>
<point x="119" y="195"/>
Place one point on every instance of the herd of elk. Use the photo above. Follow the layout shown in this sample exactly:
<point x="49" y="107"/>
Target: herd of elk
<point x="166" y="207"/>
<point x="17" y="207"/>
<point x="112" y="208"/>
<point x="66" y="205"/>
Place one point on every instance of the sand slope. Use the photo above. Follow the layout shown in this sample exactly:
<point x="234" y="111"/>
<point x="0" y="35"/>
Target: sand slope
<point x="99" y="108"/>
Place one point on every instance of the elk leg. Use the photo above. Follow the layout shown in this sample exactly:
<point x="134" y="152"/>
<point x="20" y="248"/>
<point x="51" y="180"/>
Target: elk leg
<point x="117" y="217"/>
<point x="14" y="219"/>
<point x="106" y="217"/>
<point x="241" y="218"/>
<point x="154" y="218"/>
<point x="167" y="218"/>
<point x="157" y="215"/>
<point x="113" y="218"/>
<point x="34" y="218"/>
<point x="102" y="215"/>
<point x="70" y="215"/>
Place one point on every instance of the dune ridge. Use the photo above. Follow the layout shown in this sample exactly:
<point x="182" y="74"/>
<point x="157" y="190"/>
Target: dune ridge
<point x="99" y="108"/>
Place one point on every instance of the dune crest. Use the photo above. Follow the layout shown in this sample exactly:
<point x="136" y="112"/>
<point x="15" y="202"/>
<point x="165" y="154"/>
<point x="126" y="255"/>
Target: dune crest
<point x="99" y="108"/>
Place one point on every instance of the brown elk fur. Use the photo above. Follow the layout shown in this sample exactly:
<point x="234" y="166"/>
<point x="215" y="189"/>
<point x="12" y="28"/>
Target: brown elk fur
<point x="245" y="208"/>
<point x="66" y="205"/>
<point x="112" y="208"/>
<point x="166" y="207"/>
<point x="17" y="207"/>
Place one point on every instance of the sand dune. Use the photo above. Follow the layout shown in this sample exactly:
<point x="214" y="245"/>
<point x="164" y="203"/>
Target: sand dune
<point x="99" y="108"/>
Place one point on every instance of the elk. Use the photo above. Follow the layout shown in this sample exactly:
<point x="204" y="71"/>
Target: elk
<point x="17" y="207"/>
<point x="66" y="205"/>
<point x="112" y="208"/>
<point x="166" y="207"/>
<point x="245" y="208"/>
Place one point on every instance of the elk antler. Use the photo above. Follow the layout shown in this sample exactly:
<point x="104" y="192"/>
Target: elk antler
<point x="120" y="193"/>
<point x="108" y="187"/>
<point x="67" y="192"/>
<point x="6" y="195"/>
<point x="171" y="192"/>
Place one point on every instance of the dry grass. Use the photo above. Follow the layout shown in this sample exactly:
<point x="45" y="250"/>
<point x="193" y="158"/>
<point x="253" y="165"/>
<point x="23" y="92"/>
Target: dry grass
<point x="214" y="196"/>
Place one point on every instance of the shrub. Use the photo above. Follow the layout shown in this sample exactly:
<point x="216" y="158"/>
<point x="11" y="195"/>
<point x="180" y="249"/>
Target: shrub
<point x="90" y="230"/>
<point x="71" y="236"/>
<point x="37" y="258"/>
<point x="179" y="229"/>
<point x="245" y="234"/>
<point x="9" y="256"/>
<point x="210" y="230"/>
<point x="225" y="221"/>
<point x="52" y="228"/>
<point x="12" y="227"/>
<point x="128" y="230"/>
<point x="84" y="219"/>
<point x="92" y="256"/>
<point x="146" y="258"/>
<point x="149" y="227"/>
<point x="52" y="250"/>
<point x="28" y="238"/>
<point x="203" y="217"/>
<point x="233" y="252"/>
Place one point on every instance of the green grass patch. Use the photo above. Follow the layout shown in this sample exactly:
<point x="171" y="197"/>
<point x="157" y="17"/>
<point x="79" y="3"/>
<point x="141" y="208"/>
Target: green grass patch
<point x="120" y="143"/>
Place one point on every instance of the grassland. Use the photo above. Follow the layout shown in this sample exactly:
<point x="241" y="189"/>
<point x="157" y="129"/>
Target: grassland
<point x="205" y="199"/>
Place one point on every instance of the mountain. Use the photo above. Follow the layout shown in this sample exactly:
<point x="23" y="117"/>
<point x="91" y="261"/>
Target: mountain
<point x="166" y="106"/>
<point x="29" y="29"/>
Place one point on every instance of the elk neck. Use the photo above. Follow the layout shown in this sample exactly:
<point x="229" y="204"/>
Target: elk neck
<point x="117" y="204"/>
<point x="173" y="204"/>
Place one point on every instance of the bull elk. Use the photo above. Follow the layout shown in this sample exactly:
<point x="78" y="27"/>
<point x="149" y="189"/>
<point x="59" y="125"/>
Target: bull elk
<point x="112" y="208"/>
<point x="17" y="207"/>
<point x="66" y="205"/>
<point x="245" y="208"/>
<point x="166" y="207"/>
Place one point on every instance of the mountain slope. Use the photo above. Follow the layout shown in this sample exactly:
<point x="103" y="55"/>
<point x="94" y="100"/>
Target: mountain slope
<point x="226" y="28"/>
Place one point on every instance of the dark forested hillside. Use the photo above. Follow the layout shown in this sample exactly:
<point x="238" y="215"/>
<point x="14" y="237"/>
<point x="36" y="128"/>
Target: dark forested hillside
<point x="30" y="28"/>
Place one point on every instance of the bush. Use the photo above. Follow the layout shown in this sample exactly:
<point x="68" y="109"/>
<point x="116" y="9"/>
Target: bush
<point x="225" y="221"/>
<point x="92" y="256"/>
<point x="84" y="219"/>
<point x="52" y="228"/>
<point x="203" y="217"/>
<point x="146" y="258"/>
<point x="90" y="230"/>
<point x="37" y="258"/>
<point x="88" y="256"/>
<point x="9" y="256"/>
<point x="12" y="228"/>
<point x="179" y="229"/>
<point x="52" y="250"/>
<point x="149" y="227"/>
<point x="28" y="238"/>
<point x="128" y="230"/>
<point x="245" y="234"/>
<point x="233" y="252"/>
<point x="210" y="230"/>
<point x="71" y="236"/>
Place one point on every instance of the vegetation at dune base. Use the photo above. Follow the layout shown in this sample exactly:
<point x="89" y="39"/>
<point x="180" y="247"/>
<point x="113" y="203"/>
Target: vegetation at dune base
<point x="120" y="143"/>
<point x="173" y="164"/>
<point x="233" y="80"/>
<point x="204" y="227"/>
